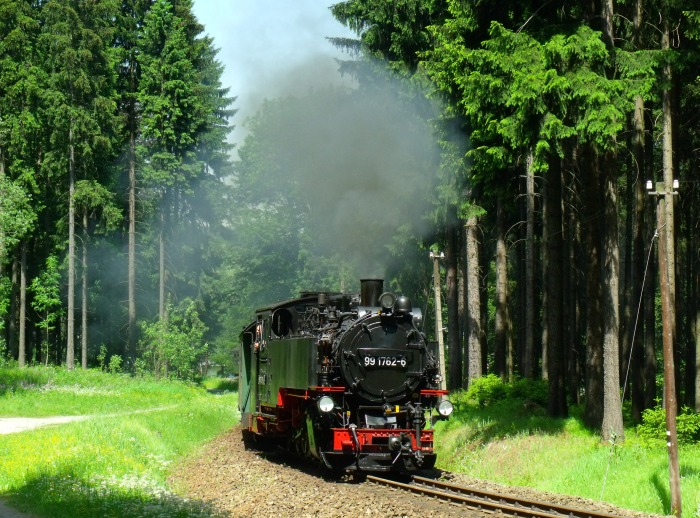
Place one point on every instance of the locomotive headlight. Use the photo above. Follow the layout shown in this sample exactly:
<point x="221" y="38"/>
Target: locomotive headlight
<point x="387" y="300"/>
<point x="394" y="443"/>
<point x="445" y="408"/>
<point x="326" y="404"/>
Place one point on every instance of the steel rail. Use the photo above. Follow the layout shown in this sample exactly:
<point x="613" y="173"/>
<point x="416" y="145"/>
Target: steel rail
<point x="488" y="501"/>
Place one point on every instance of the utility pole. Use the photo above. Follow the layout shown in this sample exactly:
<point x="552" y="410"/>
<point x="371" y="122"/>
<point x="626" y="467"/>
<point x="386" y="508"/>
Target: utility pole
<point x="438" y="315"/>
<point x="664" y="194"/>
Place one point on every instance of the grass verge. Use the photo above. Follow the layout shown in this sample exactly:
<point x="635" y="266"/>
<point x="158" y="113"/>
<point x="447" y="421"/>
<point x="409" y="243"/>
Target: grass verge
<point x="511" y="442"/>
<point x="117" y="462"/>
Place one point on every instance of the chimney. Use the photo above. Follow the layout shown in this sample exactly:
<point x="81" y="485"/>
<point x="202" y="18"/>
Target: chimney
<point x="370" y="289"/>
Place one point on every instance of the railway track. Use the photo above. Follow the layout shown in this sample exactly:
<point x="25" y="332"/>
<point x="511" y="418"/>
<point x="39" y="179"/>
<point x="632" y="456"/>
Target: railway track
<point x="488" y="502"/>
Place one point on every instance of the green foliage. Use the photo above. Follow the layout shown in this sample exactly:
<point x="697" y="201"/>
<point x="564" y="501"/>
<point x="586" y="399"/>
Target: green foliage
<point x="4" y="359"/>
<point x="491" y="389"/>
<point x="5" y="291"/>
<point x="70" y="97"/>
<point x="80" y="106"/>
<point x="16" y="215"/>
<point x="653" y="426"/>
<point x="487" y="390"/>
<point x="115" y="361"/>
<point x="115" y="364"/>
<point x="47" y="299"/>
<point x="97" y="201"/>
<point x="396" y="31"/>
<point x="522" y="93"/>
<point x="532" y="390"/>
<point x="225" y="357"/>
<point x="173" y="347"/>
<point x="168" y="100"/>
<point x="102" y="357"/>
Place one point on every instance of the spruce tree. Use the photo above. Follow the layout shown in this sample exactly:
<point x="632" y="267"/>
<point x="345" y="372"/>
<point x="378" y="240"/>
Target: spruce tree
<point x="81" y="106"/>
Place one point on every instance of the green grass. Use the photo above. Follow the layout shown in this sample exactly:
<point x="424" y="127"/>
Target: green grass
<point x="516" y="445"/>
<point x="46" y="391"/>
<point x="117" y="462"/>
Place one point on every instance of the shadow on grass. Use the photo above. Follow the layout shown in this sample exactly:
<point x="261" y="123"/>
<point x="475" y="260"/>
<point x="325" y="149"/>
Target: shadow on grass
<point x="14" y="379"/>
<point x="662" y="490"/>
<point x="660" y="481"/>
<point x="507" y="418"/>
<point x="68" y="496"/>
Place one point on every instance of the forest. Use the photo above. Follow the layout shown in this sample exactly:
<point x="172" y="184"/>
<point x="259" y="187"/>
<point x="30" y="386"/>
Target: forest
<point x="517" y="138"/>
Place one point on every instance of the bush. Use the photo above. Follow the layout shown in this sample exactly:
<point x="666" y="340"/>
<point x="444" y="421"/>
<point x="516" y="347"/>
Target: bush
<point x="536" y="391"/>
<point x="654" y="425"/>
<point x="173" y="347"/>
<point x="487" y="390"/>
<point x="490" y="389"/>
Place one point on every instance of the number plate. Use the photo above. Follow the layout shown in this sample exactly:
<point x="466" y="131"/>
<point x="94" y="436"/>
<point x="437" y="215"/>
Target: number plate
<point x="393" y="361"/>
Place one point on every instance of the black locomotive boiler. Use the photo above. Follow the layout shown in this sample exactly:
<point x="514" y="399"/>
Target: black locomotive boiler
<point x="346" y="379"/>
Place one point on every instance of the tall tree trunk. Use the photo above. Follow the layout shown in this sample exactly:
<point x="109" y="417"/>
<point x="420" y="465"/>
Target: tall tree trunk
<point x="553" y="324"/>
<point x="650" y="363"/>
<point x="22" y="349"/>
<point x="2" y="234"/>
<point x="70" y="323"/>
<point x="696" y="343"/>
<point x="453" y="341"/>
<point x="612" y="405"/>
<point x="627" y="304"/>
<point x="694" y="317"/>
<point x="528" y="367"/>
<point x="131" y="274"/>
<point x="84" y="305"/>
<point x="593" y="413"/>
<point x="689" y="310"/>
<point x="501" y="327"/>
<point x="571" y="310"/>
<point x="14" y="300"/>
<point x="473" y="365"/>
<point x="162" y="251"/>
<point x="637" y="314"/>
<point x="483" y="308"/>
<point x="643" y="172"/>
<point x="161" y="266"/>
<point x="462" y="310"/>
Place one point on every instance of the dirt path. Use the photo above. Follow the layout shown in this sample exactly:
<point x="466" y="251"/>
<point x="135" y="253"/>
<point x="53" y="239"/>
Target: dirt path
<point x="21" y="424"/>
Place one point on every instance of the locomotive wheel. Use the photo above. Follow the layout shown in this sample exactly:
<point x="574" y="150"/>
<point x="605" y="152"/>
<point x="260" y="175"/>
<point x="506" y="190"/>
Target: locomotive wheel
<point x="299" y="442"/>
<point x="300" y="445"/>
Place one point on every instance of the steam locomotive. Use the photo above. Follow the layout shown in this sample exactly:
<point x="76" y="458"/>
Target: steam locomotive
<point x="346" y="379"/>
